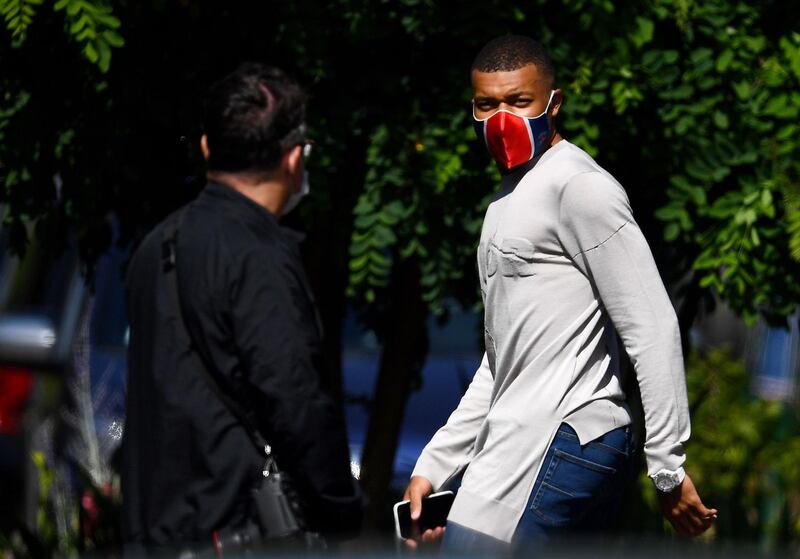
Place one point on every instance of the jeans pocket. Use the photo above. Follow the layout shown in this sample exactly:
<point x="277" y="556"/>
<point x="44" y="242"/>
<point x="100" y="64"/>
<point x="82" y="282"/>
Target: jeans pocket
<point x="617" y="442"/>
<point x="570" y="486"/>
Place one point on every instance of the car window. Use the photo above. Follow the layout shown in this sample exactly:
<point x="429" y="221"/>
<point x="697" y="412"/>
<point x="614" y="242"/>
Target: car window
<point x="40" y="281"/>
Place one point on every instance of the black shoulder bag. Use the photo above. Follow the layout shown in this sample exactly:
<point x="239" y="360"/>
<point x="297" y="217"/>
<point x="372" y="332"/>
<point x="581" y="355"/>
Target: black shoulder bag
<point x="278" y="520"/>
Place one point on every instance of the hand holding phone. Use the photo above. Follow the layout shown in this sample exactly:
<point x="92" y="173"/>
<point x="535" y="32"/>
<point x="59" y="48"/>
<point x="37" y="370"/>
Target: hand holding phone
<point x="435" y="509"/>
<point x="418" y="488"/>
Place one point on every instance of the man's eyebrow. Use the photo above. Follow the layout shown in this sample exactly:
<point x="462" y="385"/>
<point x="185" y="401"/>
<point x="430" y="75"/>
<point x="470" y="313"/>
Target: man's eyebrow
<point x="510" y="95"/>
<point x="520" y="94"/>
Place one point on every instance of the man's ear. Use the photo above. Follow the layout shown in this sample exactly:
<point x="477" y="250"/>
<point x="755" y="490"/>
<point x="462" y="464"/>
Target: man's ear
<point x="204" y="146"/>
<point x="292" y="160"/>
<point x="558" y="98"/>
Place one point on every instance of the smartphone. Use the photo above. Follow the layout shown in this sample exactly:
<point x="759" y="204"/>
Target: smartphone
<point x="435" y="509"/>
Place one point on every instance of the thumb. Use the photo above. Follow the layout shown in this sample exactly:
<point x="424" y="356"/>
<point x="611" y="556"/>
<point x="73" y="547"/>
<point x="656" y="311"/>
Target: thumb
<point x="416" y="503"/>
<point x="703" y="510"/>
<point x="693" y="498"/>
<point x="418" y="489"/>
<point x="415" y="495"/>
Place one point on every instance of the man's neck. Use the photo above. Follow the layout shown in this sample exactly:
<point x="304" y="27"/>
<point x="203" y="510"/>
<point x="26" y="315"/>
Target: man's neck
<point x="264" y="191"/>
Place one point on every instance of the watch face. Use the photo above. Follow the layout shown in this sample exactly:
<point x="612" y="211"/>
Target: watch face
<point x="666" y="482"/>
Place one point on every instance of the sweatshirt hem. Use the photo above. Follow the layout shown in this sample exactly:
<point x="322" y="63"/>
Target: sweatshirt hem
<point x="486" y="516"/>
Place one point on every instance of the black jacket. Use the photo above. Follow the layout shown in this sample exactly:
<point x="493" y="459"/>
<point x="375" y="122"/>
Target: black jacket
<point x="187" y="464"/>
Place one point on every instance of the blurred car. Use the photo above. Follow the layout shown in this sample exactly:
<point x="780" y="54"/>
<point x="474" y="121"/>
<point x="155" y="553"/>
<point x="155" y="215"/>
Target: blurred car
<point x="62" y="371"/>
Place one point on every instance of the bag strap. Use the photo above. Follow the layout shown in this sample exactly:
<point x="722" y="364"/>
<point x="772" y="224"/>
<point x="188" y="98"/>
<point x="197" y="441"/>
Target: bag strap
<point x="169" y="240"/>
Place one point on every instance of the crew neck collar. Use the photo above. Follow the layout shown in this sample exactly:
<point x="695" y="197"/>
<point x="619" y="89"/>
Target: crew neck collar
<point x="517" y="173"/>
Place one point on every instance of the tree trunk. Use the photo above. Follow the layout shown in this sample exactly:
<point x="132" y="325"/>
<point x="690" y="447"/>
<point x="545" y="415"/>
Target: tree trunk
<point x="404" y="351"/>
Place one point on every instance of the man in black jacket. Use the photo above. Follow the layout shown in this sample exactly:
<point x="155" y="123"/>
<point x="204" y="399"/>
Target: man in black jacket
<point x="188" y="463"/>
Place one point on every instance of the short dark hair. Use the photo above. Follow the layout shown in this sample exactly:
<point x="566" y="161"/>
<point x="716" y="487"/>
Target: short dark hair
<point x="511" y="52"/>
<point x="251" y="117"/>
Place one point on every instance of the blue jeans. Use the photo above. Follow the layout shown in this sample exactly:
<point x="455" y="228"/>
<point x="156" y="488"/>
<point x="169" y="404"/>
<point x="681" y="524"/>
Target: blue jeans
<point x="579" y="489"/>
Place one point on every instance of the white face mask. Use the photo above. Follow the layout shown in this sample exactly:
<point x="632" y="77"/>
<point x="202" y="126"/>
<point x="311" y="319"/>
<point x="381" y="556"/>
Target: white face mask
<point x="305" y="187"/>
<point x="296" y="196"/>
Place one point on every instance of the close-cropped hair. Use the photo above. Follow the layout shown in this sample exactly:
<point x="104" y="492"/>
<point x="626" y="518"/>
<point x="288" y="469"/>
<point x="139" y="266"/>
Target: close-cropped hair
<point x="251" y="116"/>
<point x="512" y="52"/>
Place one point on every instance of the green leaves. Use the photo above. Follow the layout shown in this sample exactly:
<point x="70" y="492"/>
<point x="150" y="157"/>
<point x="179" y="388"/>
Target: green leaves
<point x="643" y="33"/>
<point x="94" y="26"/>
<point x="739" y="445"/>
<point x="18" y="15"/>
<point x="724" y="60"/>
<point x="790" y="45"/>
<point x="413" y="206"/>
<point x="90" y="22"/>
<point x="792" y="205"/>
<point x="782" y="106"/>
<point x="733" y="124"/>
<point x="719" y="109"/>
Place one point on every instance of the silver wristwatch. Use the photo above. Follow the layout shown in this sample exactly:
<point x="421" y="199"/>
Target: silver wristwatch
<point x="667" y="480"/>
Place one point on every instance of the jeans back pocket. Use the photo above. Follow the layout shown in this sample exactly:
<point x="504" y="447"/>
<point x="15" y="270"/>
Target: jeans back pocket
<point x="572" y="482"/>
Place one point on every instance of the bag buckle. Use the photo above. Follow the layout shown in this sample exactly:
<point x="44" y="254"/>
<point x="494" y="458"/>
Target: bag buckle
<point x="270" y="466"/>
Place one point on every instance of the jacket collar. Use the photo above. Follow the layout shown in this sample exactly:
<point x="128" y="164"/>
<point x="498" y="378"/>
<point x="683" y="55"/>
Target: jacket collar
<point x="226" y="199"/>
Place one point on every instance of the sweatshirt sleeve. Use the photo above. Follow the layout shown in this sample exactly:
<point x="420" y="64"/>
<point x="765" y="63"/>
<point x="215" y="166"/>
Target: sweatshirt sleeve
<point x="450" y="449"/>
<point x="598" y="231"/>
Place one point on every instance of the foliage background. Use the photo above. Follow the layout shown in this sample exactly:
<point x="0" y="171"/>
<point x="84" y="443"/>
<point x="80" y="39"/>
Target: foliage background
<point x="693" y="106"/>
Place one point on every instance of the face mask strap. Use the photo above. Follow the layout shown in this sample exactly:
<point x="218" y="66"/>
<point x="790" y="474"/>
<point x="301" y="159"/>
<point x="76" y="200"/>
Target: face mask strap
<point x="549" y="101"/>
<point x="547" y="108"/>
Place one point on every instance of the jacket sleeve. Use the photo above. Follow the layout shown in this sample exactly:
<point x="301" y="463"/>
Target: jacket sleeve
<point x="450" y="449"/>
<point x="598" y="231"/>
<point x="279" y="350"/>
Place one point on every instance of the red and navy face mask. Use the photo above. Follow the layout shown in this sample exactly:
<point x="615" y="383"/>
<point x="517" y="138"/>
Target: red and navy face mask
<point x="513" y="139"/>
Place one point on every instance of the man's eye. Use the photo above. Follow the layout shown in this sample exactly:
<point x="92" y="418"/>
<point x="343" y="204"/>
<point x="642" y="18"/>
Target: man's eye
<point x="522" y="102"/>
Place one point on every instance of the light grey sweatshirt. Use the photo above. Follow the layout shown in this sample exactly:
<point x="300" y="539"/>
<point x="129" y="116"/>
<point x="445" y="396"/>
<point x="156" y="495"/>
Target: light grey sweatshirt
<point x="564" y="269"/>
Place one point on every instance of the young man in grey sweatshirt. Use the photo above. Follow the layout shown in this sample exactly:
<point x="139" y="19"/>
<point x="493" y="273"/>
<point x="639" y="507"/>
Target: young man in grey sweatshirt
<point x="543" y="432"/>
